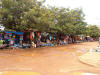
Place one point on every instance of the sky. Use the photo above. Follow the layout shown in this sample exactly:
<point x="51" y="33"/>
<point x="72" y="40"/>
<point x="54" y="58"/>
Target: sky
<point x="91" y="8"/>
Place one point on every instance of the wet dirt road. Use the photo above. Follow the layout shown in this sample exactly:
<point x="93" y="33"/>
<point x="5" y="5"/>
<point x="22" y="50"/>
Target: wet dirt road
<point x="62" y="60"/>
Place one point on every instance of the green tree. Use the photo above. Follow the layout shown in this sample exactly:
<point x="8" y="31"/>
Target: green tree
<point x="41" y="19"/>
<point x="93" y="31"/>
<point x="12" y="12"/>
<point x="21" y="15"/>
<point x="70" y="21"/>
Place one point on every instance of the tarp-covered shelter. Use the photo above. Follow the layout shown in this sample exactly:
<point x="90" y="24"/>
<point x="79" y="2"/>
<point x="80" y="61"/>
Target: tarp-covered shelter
<point x="7" y="36"/>
<point x="17" y="33"/>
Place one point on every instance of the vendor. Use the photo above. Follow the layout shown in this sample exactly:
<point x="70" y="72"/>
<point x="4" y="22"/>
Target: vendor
<point x="99" y="40"/>
<point x="1" y="43"/>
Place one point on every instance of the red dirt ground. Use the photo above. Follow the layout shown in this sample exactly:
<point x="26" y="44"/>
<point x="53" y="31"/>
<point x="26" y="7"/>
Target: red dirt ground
<point x="62" y="60"/>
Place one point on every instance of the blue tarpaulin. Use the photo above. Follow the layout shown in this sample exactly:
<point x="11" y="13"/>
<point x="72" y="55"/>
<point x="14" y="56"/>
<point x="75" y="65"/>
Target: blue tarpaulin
<point x="18" y="33"/>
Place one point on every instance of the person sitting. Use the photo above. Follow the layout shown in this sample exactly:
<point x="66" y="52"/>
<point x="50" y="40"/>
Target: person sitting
<point x="33" y="45"/>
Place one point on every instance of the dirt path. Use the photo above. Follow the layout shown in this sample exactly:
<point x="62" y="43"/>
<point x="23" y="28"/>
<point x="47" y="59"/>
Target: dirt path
<point x="62" y="60"/>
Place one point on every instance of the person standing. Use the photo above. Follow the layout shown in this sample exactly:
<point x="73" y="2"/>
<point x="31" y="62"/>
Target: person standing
<point x="1" y="43"/>
<point x="11" y="42"/>
<point x="99" y="41"/>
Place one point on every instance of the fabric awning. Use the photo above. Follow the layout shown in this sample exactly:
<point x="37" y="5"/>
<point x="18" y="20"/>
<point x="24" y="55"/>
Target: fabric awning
<point x="18" y="33"/>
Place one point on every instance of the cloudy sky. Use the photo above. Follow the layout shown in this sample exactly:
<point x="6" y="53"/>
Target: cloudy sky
<point x="91" y="8"/>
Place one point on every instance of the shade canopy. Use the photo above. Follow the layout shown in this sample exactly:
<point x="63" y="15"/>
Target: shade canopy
<point x="18" y="33"/>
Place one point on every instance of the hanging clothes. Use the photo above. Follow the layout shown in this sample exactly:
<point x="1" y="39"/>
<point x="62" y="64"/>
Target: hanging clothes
<point x="1" y="36"/>
<point x="38" y="34"/>
<point x="5" y="37"/>
<point x="38" y="43"/>
<point x="50" y="37"/>
<point x="33" y="35"/>
<point x="21" y="37"/>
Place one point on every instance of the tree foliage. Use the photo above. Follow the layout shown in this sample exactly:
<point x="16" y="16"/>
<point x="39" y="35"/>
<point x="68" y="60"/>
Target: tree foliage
<point x="70" y="21"/>
<point x="12" y="12"/>
<point x="93" y="31"/>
